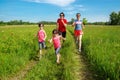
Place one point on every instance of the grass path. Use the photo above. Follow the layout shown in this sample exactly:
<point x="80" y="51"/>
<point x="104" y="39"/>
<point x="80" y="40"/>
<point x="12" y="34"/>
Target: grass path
<point x="22" y="73"/>
<point x="82" y="68"/>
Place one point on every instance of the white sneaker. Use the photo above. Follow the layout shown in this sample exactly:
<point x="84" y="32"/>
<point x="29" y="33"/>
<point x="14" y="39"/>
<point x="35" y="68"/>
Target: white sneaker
<point x="79" y="50"/>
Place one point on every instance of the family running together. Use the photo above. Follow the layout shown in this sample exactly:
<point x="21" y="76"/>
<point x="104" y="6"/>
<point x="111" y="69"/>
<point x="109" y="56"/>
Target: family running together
<point x="59" y="34"/>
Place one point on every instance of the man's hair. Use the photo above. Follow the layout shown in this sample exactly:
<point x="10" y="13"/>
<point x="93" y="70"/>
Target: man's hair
<point x="78" y="14"/>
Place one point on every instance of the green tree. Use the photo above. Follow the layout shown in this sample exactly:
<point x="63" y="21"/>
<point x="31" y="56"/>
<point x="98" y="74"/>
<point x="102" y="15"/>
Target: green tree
<point x="84" y="21"/>
<point x="113" y="18"/>
<point x="72" y="20"/>
<point x="119" y="17"/>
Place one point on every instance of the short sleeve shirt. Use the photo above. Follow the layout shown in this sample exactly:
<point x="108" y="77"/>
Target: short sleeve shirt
<point x="61" y="27"/>
<point x="78" y="24"/>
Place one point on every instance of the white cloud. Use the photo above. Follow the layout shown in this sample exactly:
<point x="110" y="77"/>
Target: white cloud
<point x="73" y="9"/>
<point x="60" y="3"/>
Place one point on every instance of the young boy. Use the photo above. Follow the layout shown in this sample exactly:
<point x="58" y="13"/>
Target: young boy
<point x="41" y="38"/>
<point x="78" y="31"/>
<point x="56" y="42"/>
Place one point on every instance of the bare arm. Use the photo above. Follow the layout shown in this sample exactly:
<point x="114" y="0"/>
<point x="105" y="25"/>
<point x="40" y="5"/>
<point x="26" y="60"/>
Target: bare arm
<point x="64" y="23"/>
<point x="50" y="40"/>
<point x="83" y="26"/>
<point x="62" y="38"/>
<point x="36" y="34"/>
<point x="45" y="35"/>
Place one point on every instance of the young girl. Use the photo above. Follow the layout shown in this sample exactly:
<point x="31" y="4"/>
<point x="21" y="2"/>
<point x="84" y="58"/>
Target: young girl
<point x="56" y="42"/>
<point x="41" y="38"/>
<point x="78" y="31"/>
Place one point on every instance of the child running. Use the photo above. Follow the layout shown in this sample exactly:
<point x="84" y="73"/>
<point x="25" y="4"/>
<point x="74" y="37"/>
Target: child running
<point x="41" y="38"/>
<point x="56" y="42"/>
<point x="78" y="31"/>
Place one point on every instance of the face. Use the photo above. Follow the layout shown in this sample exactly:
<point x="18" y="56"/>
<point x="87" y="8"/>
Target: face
<point x="61" y="16"/>
<point x="41" y="27"/>
<point x="78" y="16"/>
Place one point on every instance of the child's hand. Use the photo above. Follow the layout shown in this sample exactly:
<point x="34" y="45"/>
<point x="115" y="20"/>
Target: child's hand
<point x="49" y="40"/>
<point x="64" y="38"/>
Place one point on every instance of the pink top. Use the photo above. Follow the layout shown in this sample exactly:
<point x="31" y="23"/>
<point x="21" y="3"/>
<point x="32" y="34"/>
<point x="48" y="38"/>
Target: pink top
<point x="41" y="35"/>
<point x="56" y="42"/>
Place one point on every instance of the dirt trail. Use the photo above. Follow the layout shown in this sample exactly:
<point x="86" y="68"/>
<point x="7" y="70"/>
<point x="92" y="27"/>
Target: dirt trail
<point x="22" y="73"/>
<point x="84" y="71"/>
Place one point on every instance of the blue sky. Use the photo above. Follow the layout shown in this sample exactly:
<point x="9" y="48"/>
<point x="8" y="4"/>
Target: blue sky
<point x="48" y="10"/>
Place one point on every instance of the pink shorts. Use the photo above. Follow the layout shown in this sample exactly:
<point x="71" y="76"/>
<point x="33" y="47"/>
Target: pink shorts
<point x="78" y="32"/>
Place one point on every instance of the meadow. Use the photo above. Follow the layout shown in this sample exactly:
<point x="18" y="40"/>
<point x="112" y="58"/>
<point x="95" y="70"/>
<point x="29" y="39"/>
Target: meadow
<point x="18" y="46"/>
<point x="101" y="44"/>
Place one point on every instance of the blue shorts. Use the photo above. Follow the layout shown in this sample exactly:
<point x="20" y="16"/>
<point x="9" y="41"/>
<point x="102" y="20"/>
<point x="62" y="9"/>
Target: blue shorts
<point x="41" y="45"/>
<point x="57" y="50"/>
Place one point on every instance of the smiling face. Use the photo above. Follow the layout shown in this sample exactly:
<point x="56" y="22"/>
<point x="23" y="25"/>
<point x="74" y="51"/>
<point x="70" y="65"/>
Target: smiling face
<point x="78" y="16"/>
<point x="61" y="15"/>
<point x="40" y="25"/>
<point x="55" y="33"/>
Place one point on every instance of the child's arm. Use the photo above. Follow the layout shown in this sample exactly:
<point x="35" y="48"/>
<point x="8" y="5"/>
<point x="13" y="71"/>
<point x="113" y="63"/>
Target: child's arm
<point x="50" y="40"/>
<point x="45" y="35"/>
<point x="62" y="38"/>
<point x="36" y="34"/>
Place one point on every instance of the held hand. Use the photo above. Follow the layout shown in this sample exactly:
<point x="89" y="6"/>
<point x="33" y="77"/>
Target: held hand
<point x="64" y="38"/>
<point x="49" y="40"/>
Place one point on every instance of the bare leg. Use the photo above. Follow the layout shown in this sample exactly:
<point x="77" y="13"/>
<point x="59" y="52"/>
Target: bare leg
<point x="40" y="54"/>
<point x="79" y="42"/>
<point x="58" y="58"/>
<point x="76" y="40"/>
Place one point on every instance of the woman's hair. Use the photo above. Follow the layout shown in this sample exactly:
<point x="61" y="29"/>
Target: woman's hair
<point x="40" y="25"/>
<point x="55" y="31"/>
<point x="78" y="14"/>
<point x="62" y="14"/>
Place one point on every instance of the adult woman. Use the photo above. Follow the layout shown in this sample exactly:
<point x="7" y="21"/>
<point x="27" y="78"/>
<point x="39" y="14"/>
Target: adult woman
<point x="61" y="24"/>
<point x="78" y="30"/>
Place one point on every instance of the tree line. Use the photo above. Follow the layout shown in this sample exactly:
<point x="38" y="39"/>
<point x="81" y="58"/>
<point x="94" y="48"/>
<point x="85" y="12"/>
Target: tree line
<point x="114" y="19"/>
<point x="16" y="22"/>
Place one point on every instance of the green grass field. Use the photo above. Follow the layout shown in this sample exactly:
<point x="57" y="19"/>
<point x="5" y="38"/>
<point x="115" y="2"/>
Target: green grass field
<point x="18" y="45"/>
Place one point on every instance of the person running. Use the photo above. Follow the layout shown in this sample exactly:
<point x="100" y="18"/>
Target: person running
<point x="78" y="31"/>
<point x="56" y="42"/>
<point x="61" y="25"/>
<point x="41" y="38"/>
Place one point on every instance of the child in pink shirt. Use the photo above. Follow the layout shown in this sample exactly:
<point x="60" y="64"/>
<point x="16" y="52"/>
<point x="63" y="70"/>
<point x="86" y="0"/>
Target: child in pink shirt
<point x="56" y="42"/>
<point x="41" y="38"/>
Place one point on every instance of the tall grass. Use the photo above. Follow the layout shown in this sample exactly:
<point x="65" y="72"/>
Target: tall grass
<point x="16" y="46"/>
<point x="47" y="69"/>
<point x="102" y="46"/>
<point x="19" y="45"/>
